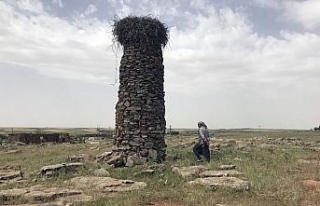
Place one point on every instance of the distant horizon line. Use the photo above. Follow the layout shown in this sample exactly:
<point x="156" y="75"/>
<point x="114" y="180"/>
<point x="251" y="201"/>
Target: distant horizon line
<point x="173" y="128"/>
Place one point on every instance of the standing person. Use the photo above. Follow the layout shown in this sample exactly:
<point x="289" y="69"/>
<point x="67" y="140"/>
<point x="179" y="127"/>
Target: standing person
<point x="1" y="139"/>
<point x="202" y="146"/>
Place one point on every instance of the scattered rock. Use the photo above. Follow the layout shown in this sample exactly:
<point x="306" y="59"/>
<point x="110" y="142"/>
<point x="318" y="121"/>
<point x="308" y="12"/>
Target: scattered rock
<point x="233" y="141"/>
<point x="230" y="182"/>
<point x="219" y="173"/>
<point x="153" y="154"/>
<point x="103" y="157"/>
<point x="309" y="162"/>
<point x="10" y="167"/>
<point x="93" y="142"/>
<point x="227" y="167"/>
<point x="227" y="145"/>
<point x="309" y="203"/>
<point x="215" y="146"/>
<point x="101" y="173"/>
<point x="218" y="140"/>
<point x="95" y="148"/>
<point x="117" y="159"/>
<point x="42" y="194"/>
<point x="311" y="184"/>
<point x="165" y="203"/>
<point x="315" y="149"/>
<point x="222" y="205"/>
<point x="54" y="170"/>
<point x="10" y="174"/>
<point x="267" y="146"/>
<point x="79" y="158"/>
<point x="147" y="172"/>
<point x="20" y="143"/>
<point x="105" y="184"/>
<point x="241" y="145"/>
<point x="135" y="160"/>
<point x="12" y="152"/>
<point x="188" y="171"/>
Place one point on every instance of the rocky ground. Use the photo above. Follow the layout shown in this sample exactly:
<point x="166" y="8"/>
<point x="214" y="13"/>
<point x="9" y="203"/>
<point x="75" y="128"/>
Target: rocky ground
<point x="246" y="169"/>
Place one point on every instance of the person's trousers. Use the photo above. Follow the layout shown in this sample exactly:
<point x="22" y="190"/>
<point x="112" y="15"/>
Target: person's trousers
<point x="202" y="149"/>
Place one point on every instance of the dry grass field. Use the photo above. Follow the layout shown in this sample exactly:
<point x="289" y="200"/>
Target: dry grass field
<point x="274" y="162"/>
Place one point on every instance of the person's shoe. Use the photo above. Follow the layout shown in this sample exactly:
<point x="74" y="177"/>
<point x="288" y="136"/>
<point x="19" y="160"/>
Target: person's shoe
<point x="199" y="160"/>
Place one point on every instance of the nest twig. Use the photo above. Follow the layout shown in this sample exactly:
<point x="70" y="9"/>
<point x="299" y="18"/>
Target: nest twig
<point x="142" y="31"/>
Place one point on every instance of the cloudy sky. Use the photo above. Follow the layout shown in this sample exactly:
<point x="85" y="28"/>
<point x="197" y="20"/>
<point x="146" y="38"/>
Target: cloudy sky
<point x="232" y="63"/>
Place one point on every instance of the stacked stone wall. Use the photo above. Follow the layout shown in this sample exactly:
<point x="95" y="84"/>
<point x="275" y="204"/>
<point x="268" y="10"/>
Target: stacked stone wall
<point x="140" y="110"/>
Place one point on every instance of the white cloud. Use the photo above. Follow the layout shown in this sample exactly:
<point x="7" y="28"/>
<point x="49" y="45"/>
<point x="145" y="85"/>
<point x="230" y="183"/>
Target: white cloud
<point x="28" y="5"/>
<point x="240" y="74"/>
<point x="220" y="39"/>
<point x="306" y="13"/>
<point x="58" y="2"/>
<point x="54" y="46"/>
<point x="199" y="4"/>
<point x="91" y="9"/>
<point x="221" y="44"/>
<point x="276" y="4"/>
<point x="303" y="12"/>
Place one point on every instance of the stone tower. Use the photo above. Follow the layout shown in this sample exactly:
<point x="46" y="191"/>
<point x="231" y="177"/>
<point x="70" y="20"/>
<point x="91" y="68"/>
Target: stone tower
<point x="140" y="110"/>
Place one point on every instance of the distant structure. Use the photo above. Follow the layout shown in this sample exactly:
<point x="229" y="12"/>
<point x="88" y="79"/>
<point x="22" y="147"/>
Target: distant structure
<point x="140" y="111"/>
<point x="39" y="138"/>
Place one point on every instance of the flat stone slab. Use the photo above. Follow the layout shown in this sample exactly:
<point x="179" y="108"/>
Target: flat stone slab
<point x="311" y="184"/>
<point x="53" y="170"/>
<point x="189" y="171"/>
<point x="220" y="173"/>
<point x="41" y="194"/>
<point x="229" y="182"/>
<point x="223" y="205"/>
<point x="105" y="184"/>
<point x="11" y="152"/>
<point x="9" y="174"/>
<point x="315" y="149"/>
<point x="227" y="167"/>
<point x="309" y="162"/>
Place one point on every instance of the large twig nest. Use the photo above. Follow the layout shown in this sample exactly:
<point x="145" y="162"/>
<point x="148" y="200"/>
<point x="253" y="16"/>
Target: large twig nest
<point x="141" y="31"/>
